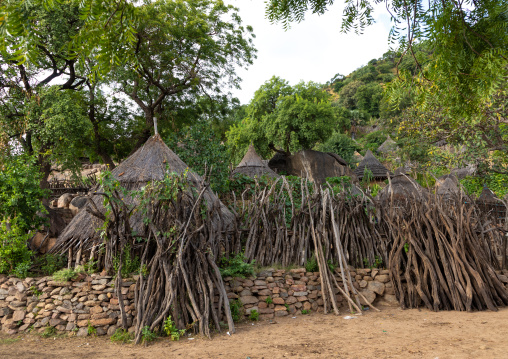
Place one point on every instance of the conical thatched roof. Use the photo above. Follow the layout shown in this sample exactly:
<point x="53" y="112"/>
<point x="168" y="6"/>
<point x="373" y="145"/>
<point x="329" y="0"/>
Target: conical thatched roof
<point x="488" y="197"/>
<point x="357" y="156"/>
<point x="388" y="146"/>
<point x="448" y="188"/>
<point x="252" y="165"/>
<point x="378" y="170"/>
<point x="403" y="188"/>
<point x="149" y="163"/>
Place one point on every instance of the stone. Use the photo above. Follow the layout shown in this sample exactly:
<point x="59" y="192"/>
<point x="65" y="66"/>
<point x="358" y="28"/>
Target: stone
<point x="70" y="326"/>
<point x="383" y="278"/>
<point x="503" y="278"/>
<point x="20" y="287"/>
<point x="390" y="300"/>
<point x="247" y="311"/>
<point x="102" y="322"/>
<point x="249" y="300"/>
<point x="300" y="294"/>
<point x="278" y="300"/>
<point x="54" y="322"/>
<point x="281" y="313"/>
<point x="369" y="295"/>
<point x="376" y="287"/>
<point x="18" y="315"/>
<point x="63" y="309"/>
<point x="77" y="203"/>
<point x="363" y="283"/>
<point x="291" y="300"/>
<point x="82" y="332"/>
<point x="64" y="200"/>
<point x="307" y="306"/>
<point x="367" y="278"/>
<point x="265" y="292"/>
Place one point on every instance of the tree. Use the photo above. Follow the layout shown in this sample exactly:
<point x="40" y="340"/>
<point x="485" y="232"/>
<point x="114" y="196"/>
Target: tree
<point x="183" y="50"/>
<point x="469" y="40"/>
<point x="285" y="119"/>
<point x="342" y="145"/>
<point x="104" y="30"/>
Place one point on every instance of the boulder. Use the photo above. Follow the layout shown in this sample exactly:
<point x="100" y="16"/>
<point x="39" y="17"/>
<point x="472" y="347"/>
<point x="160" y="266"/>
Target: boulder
<point x="77" y="204"/>
<point x="376" y="287"/>
<point x="369" y="295"/>
<point x="64" y="200"/>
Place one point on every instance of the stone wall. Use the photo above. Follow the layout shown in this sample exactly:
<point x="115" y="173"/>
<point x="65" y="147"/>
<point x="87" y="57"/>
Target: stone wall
<point x="276" y="293"/>
<point x="33" y="304"/>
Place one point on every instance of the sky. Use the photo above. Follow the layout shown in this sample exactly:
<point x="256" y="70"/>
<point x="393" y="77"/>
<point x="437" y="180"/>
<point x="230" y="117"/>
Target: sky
<point x="313" y="50"/>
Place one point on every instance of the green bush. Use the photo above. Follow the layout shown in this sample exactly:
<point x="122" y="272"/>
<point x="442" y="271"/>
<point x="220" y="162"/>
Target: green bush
<point x="496" y="182"/>
<point x="312" y="265"/>
<point x="254" y="315"/>
<point x="171" y="330"/>
<point x="342" y="145"/>
<point x="65" y="275"/>
<point x="147" y="335"/>
<point x="236" y="310"/>
<point x="15" y="257"/>
<point x="122" y="335"/>
<point x="50" y="263"/>
<point x="236" y="267"/>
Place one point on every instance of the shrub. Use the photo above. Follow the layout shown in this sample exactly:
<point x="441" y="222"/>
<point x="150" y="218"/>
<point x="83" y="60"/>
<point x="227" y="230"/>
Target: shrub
<point x="65" y="275"/>
<point x="171" y="330"/>
<point x="312" y="265"/>
<point x="305" y="311"/>
<point x="121" y="335"/>
<point x="254" y="315"/>
<point x="236" y="310"/>
<point x="15" y="257"/>
<point x="269" y="300"/>
<point x="50" y="263"/>
<point x="236" y="267"/>
<point x="147" y="335"/>
<point x="91" y="330"/>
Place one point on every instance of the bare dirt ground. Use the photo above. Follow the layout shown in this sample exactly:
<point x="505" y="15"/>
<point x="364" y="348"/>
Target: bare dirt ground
<point x="392" y="333"/>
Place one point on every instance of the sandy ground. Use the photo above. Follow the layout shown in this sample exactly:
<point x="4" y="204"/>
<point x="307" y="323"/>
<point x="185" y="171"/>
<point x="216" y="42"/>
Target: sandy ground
<point x="392" y="333"/>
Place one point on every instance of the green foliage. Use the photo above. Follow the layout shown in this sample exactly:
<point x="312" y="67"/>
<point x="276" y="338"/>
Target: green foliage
<point x="129" y="265"/>
<point x="201" y="150"/>
<point x="171" y="330"/>
<point x="269" y="300"/>
<point x="48" y="332"/>
<point x="50" y="263"/>
<point x="374" y="189"/>
<point x="290" y="118"/>
<point x="340" y="144"/>
<point x="368" y="176"/>
<point x="147" y="335"/>
<point x="236" y="310"/>
<point x="20" y="193"/>
<point x="35" y="291"/>
<point x="373" y="140"/>
<point x="91" y="330"/>
<point x="496" y="182"/>
<point x="254" y="315"/>
<point x="305" y="311"/>
<point x="122" y="336"/>
<point x="287" y="308"/>
<point x="312" y="265"/>
<point x="236" y="267"/>
<point x="15" y="258"/>
<point x="65" y="275"/>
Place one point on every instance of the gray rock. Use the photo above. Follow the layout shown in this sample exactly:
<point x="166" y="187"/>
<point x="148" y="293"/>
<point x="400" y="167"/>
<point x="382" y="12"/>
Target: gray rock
<point x="376" y="287"/>
<point x="249" y="300"/>
<point x="82" y="332"/>
<point x="383" y="278"/>
<point x="369" y="295"/>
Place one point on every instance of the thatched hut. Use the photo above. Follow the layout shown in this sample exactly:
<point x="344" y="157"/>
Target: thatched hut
<point x="447" y="186"/>
<point x="314" y="165"/>
<point x="252" y="165"/>
<point x="149" y="163"/>
<point x="403" y="189"/>
<point x="370" y="162"/>
<point x="388" y="146"/>
<point x="490" y="204"/>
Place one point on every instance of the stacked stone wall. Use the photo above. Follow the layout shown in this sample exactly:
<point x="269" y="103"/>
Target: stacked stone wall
<point x="34" y="304"/>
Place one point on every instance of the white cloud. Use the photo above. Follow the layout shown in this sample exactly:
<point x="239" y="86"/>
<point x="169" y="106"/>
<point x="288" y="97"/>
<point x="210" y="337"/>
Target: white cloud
<point x="313" y="50"/>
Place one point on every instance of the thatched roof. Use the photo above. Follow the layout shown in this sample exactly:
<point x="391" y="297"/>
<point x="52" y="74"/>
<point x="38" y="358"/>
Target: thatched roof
<point x="378" y="170"/>
<point x="252" y="165"/>
<point x="388" y="146"/>
<point x="149" y="163"/>
<point x="403" y="188"/>
<point x="488" y="197"/>
<point x="447" y="186"/>
<point x="357" y="156"/>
